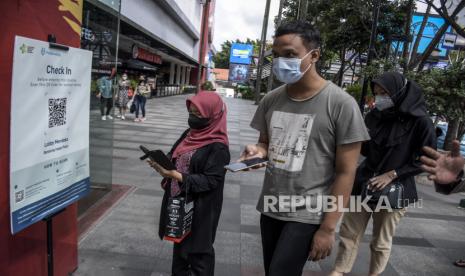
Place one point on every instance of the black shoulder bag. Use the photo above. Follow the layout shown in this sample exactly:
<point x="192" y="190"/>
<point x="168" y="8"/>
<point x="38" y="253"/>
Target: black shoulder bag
<point x="394" y="191"/>
<point x="180" y="211"/>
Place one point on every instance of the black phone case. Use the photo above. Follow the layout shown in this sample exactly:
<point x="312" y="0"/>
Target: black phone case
<point x="159" y="157"/>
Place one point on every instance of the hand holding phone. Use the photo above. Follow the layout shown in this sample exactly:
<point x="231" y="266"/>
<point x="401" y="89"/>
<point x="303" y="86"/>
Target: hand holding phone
<point x="245" y="165"/>
<point x="158" y="157"/>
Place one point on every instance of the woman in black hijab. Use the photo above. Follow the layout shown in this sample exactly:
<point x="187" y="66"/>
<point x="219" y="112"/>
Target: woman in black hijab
<point x="399" y="127"/>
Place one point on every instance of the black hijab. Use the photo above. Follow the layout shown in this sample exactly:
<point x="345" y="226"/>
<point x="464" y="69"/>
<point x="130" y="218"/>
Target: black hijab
<point x="389" y="126"/>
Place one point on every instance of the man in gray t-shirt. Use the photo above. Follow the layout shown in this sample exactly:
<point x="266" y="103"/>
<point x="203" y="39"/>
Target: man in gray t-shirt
<point x="311" y="132"/>
<point x="303" y="136"/>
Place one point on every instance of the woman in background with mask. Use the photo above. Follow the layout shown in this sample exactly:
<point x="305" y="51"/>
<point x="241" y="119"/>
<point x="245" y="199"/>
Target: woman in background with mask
<point x="399" y="127"/>
<point x="123" y="98"/>
<point x="199" y="156"/>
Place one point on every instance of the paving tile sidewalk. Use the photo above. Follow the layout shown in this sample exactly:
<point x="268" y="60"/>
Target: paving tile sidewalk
<point x="125" y="242"/>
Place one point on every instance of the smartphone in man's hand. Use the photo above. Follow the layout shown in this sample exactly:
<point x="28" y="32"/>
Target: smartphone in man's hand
<point x="246" y="164"/>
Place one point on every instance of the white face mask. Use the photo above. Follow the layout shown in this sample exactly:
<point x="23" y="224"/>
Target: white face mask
<point x="125" y="77"/>
<point x="383" y="102"/>
<point x="287" y="70"/>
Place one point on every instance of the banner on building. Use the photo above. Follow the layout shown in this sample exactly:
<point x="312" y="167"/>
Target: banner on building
<point x="238" y="73"/>
<point x="433" y="25"/>
<point x="49" y="146"/>
<point x="241" y="53"/>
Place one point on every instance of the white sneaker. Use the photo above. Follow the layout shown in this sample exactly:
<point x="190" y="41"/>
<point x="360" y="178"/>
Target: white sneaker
<point x="142" y="119"/>
<point x="104" y="118"/>
<point x="119" y="116"/>
<point x="109" y="117"/>
<point x="136" y="120"/>
<point x="123" y="118"/>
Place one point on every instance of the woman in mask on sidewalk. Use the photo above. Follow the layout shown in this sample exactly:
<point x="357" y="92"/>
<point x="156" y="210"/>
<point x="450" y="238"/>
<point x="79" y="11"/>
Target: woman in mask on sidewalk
<point x="399" y="127"/>
<point x="123" y="98"/>
<point x="141" y="94"/>
<point x="199" y="156"/>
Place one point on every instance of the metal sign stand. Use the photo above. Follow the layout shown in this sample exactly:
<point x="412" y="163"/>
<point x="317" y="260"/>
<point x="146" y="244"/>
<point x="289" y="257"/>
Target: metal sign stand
<point x="49" y="221"/>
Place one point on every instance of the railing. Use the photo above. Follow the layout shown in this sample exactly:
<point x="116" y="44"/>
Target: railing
<point x="165" y="90"/>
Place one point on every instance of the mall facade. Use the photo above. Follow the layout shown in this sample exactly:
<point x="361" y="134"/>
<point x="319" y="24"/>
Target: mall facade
<point x="158" y="39"/>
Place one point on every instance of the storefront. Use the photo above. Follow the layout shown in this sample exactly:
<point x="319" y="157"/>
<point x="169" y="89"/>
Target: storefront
<point x="119" y="42"/>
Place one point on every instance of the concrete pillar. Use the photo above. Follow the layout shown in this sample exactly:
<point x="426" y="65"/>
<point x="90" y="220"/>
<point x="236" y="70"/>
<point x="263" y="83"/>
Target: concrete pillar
<point x="178" y="74"/>
<point x="186" y="75"/>
<point x="183" y="75"/>
<point x="172" y="73"/>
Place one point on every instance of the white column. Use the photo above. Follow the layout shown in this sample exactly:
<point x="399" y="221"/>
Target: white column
<point x="172" y="73"/>
<point x="183" y="75"/>
<point x="178" y="74"/>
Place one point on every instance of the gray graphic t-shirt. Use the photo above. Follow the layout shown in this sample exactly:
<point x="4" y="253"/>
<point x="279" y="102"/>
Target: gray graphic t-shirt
<point x="303" y="136"/>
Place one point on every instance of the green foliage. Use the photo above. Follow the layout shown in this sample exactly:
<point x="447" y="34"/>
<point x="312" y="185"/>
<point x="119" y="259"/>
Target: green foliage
<point x="93" y="87"/>
<point x="355" y="90"/>
<point x="346" y="24"/>
<point x="208" y="86"/>
<point x="378" y="67"/>
<point x="246" y="91"/>
<point x="444" y="90"/>
<point x="134" y="83"/>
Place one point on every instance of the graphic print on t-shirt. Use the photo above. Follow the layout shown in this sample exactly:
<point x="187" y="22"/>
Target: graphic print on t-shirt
<point x="289" y="137"/>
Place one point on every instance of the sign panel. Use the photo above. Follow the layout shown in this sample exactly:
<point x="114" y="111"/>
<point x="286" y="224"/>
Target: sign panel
<point x="49" y="146"/>
<point x="449" y="41"/>
<point x="433" y="25"/>
<point x="241" y="53"/>
<point x="143" y="54"/>
<point x="238" y="72"/>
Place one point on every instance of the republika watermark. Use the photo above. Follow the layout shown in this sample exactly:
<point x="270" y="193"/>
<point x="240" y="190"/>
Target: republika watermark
<point x="328" y="203"/>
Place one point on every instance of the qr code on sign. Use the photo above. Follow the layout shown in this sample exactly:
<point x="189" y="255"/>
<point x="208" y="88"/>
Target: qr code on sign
<point x="56" y="112"/>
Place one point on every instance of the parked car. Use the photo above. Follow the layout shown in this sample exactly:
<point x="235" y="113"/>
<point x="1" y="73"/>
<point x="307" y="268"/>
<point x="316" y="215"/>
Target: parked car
<point x="442" y="138"/>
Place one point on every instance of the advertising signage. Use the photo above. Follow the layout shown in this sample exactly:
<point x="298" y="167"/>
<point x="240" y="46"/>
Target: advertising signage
<point x="241" y="53"/>
<point x="433" y="25"/>
<point x="238" y="73"/>
<point x="49" y="161"/>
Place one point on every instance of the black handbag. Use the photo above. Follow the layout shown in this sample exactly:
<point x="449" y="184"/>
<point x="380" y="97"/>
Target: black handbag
<point x="393" y="192"/>
<point x="179" y="211"/>
<point x="132" y="109"/>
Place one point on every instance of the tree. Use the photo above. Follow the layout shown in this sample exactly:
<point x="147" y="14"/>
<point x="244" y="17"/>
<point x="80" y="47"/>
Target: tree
<point x="444" y="91"/>
<point x="345" y="27"/>
<point x="221" y="59"/>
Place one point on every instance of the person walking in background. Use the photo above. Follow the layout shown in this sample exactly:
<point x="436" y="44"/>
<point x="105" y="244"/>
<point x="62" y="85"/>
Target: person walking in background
<point x="199" y="155"/>
<point x="141" y="94"/>
<point x="446" y="170"/>
<point x="105" y="93"/>
<point x="399" y="127"/>
<point x="123" y="98"/>
<point x="311" y="131"/>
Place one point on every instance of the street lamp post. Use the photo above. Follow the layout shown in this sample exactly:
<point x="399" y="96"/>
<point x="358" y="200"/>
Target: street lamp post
<point x="204" y="25"/>
<point x="278" y="23"/>
<point x="262" y="52"/>
<point x="371" y="50"/>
